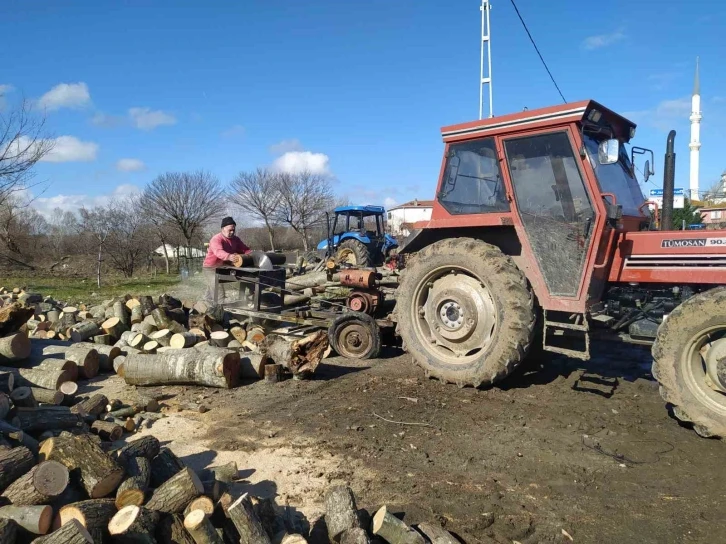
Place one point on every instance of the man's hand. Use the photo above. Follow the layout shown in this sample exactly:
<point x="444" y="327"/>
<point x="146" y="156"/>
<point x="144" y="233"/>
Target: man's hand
<point x="236" y="260"/>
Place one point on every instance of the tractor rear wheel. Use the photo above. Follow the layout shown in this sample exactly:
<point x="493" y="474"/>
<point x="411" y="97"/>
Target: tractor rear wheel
<point x="465" y="312"/>
<point x="689" y="362"/>
<point x="354" y="253"/>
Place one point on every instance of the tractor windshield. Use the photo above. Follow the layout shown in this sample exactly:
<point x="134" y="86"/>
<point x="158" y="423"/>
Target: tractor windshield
<point x="616" y="178"/>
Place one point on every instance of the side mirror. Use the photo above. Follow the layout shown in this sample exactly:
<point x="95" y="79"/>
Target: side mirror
<point x="647" y="173"/>
<point x="608" y="151"/>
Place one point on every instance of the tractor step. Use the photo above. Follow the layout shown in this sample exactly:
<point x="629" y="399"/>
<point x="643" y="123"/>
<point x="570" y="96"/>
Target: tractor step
<point x="579" y="330"/>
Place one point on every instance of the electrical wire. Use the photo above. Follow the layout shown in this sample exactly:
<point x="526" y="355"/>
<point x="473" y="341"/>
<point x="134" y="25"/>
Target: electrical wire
<point x="537" y="49"/>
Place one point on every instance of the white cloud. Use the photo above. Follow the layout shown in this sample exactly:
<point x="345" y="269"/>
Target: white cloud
<point x="72" y="203"/>
<point x="664" y="115"/>
<point x="130" y="165"/>
<point x="4" y="89"/>
<point x="285" y="146"/>
<point x="148" y="119"/>
<point x="302" y="161"/>
<point x="66" y="95"/>
<point x="603" y="40"/>
<point x="101" y="119"/>
<point x="71" y="149"/>
<point x="389" y="202"/>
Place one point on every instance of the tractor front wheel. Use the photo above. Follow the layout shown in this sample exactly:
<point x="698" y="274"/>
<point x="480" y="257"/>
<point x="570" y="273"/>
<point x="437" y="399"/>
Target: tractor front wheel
<point x="689" y="362"/>
<point x="465" y="312"/>
<point x="354" y="253"/>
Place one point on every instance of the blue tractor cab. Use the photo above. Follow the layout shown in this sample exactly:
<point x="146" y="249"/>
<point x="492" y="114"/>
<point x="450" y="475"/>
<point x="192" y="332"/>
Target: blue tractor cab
<point x="357" y="236"/>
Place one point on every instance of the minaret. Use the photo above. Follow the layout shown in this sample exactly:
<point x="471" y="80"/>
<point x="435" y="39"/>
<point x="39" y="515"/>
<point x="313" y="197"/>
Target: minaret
<point x="695" y="144"/>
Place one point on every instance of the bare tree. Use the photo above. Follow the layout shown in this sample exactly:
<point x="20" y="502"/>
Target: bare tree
<point x="186" y="199"/>
<point x="21" y="228"/>
<point x="129" y="239"/>
<point x="304" y="199"/>
<point x="96" y="223"/>
<point x="258" y="193"/>
<point x="161" y="225"/>
<point x="22" y="144"/>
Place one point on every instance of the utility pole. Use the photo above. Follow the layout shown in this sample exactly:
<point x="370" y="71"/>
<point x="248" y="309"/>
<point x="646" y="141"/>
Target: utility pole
<point x="485" y="78"/>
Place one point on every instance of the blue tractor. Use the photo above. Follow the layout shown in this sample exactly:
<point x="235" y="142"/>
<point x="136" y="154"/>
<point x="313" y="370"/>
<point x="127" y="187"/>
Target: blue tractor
<point x="357" y="236"/>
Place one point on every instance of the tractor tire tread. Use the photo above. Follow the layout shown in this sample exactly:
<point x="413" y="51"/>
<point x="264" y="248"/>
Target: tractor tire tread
<point x="359" y="249"/>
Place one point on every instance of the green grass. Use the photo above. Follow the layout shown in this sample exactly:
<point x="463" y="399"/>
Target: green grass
<point x="86" y="290"/>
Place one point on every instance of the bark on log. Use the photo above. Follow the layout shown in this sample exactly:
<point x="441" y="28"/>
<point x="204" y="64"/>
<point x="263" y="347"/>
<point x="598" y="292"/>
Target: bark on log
<point x="120" y="312"/>
<point x="393" y="530"/>
<point x="126" y="411"/>
<point x="94" y="405"/>
<point x="98" y="473"/>
<point x="219" y="339"/>
<point x="123" y="340"/>
<point x="46" y="418"/>
<point x="353" y="536"/>
<point x="4" y="405"/>
<point x="225" y="473"/>
<point x="436" y="534"/>
<point x="137" y="314"/>
<point x="119" y="364"/>
<point x="163" y="336"/>
<point x="341" y="512"/>
<point x="242" y="514"/>
<point x="6" y="379"/>
<point x="13" y="464"/>
<point x="70" y="533"/>
<point x="144" y="328"/>
<point x="52" y="315"/>
<point x="297" y="355"/>
<point x="134" y="525"/>
<point x="273" y="373"/>
<point x="93" y="514"/>
<point x="171" y="531"/>
<point x="147" y="303"/>
<point x="47" y="396"/>
<point x="84" y="354"/>
<point x="13" y="317"/>
<point x="83" y="331"/>
<point x="104" y="340"/>
<point x="164" y="466"/>
<point x="146" y="446"/>
<point x="174" y="494"/>
<point x="183" y="367"/>
<point x="22" y="397"/>
<point x="137" y="340"/>
<point x="183" y="340"/>
<point x="107" y="431"/>
<point x="34" y="519"/>
<point x="8" y="531"/>
<point x="238" y="333"/>
<point x="15" y="347"/>
<point x="201" y="529"/>
<point x="114" y="326"/>
<point x="70" y="367"/>
<point x="65" y="322"/>
<point x="106" y="356"/>
<point x="39" y="486"/>
<point x="132" y="490"/>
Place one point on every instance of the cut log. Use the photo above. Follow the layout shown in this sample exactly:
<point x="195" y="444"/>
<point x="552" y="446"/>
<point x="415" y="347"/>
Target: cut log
<point x="125" y="411"/>
<point x="183" y="340"/>
<point x="132" y="490"/>
<point x="163" y="336"/>
<point x="146" y="446"/>
<point x="107" y="431"/>
<point x="174" y="494"/>
<point x="47" y="396"/>
<point x="137" y="314"/>
<point x="233" y="344"/>
<point x="171" y="531"/>
<point x="137" y="340"/>
<point x="113" y="404"/>
<point x="13" y="317"/>
<point x="352" y="536"/>
<point x="201" y="529"/>
<point x="147" y="303"/>
<point x="239" y="334"/>
<point x="225" y="473"/>
<point x="114" y="326"/>
<point x="13" y="464"/>
<point x="165" y="465"/>
<point x="119" y="364"/>
<point x="104" y="339"/>
<point x="341" y="512"/>
<point x="46" y="418"/>
<point x="273" y="373"/>
<point x="94" y="405"/>
<point x="70" y="533"/>
<point x="134" y="525"/>
<point x="15" y="347"/>
<point x="203" y="503"/>
<point x="161" y="320"/>
<point x="255" y="335"/>
<point x="98" y="473"/>
<point x="65" y="322"/>
<point x="265" y="510"/>
<point x="22" y="397"/>
<point x="121" y="313"/>
<point x="94" y="515"/>
<point x="183" y="367"/>
<point x="70" y="367"/>
<point x="297" y="355"/>
<point x="436" y="534"/>
<point x="106" y="356"/>
<point x="39" y="486"/>
<point x="242" y="514"/>
<point x="144" y="328"/>
<point x="4" y="405"/>
<point x="8" y="530"/>
<point x="71" y="310"/>
<point x="219" y="339"/>
<point x="150" y="347"/>
<point x="123" y="340"/>
<point x="34" y="519"/>
<point x="393" y="530"/>
<point x="84" y="354"/>
<point x="131" y="303"/>
<point x="83" y="331"/>
<point x="285" y="538"/>
<point x="69" y="389"/>
<point x="53" y="315"/>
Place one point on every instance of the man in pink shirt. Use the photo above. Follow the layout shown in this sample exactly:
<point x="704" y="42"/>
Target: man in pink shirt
<point x="224" y="247"/>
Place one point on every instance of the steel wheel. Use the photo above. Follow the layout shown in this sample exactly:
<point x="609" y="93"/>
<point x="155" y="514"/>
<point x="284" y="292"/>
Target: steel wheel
<point x="347" y="256"/>
<point x="454" y="314"/>
<point x="700" y="368"/>
<point x="355" y="336"/>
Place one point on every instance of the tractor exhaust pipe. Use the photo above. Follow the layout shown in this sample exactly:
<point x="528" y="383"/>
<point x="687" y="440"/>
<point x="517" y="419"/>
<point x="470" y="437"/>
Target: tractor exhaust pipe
<point x="669" y="176"/>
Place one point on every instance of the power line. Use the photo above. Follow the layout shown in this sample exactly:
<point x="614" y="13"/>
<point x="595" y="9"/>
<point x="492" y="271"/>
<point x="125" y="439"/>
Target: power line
<point x="537" y="49"/>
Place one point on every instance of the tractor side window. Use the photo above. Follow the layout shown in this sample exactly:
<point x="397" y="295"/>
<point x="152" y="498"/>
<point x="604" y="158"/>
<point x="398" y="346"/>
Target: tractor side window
<point x="472" y="179"/>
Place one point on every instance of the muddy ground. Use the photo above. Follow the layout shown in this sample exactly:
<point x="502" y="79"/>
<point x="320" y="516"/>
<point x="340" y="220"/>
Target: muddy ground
<point x="585" y="448"/>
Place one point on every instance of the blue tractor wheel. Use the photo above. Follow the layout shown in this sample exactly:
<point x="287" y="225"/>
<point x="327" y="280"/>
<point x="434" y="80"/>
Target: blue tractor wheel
<point x="353" y="253"/>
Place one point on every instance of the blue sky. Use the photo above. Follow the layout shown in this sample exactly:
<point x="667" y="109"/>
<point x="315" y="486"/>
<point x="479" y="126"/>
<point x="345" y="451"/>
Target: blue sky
<point x="359" y="89"/>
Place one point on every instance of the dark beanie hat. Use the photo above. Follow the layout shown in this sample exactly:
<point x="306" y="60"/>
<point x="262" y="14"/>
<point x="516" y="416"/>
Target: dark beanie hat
<point x="228" y="221"/>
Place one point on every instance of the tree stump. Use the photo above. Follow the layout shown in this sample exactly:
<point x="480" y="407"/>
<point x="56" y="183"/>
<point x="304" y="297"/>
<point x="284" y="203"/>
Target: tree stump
<point x="15" y="347"/>
<point x="242" y="514"/>
<point x="183" y="367"/>
<point x="341" y="512"/>
<point x="201" y="529"/>
<point x="174" y="494"/>
<point x="163" y="466"/>
<point x="132" y="490"/>
<point x="393" y="530"/>
<point x="70" y="533"/>
<point x="93" y="514"/>
<point x="39" y="486"/>
<point x="35" y="519"/>
<point x="13" y="464"/>
<point x="107" y="430"/>
<point x="98" y="473"/>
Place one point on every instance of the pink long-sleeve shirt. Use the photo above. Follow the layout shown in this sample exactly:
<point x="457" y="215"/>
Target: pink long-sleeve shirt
<point x="221" y="249"/>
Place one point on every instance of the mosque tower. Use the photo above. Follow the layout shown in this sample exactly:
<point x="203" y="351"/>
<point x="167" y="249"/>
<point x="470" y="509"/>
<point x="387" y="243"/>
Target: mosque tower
<point x="695" y="144"/>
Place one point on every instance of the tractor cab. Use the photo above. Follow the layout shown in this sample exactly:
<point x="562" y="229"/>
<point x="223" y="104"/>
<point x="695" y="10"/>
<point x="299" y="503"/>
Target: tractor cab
<point x="357" y="236"/>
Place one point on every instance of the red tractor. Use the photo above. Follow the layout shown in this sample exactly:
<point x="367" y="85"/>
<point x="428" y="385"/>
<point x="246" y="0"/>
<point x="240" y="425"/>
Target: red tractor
<point x="540" y="237"/>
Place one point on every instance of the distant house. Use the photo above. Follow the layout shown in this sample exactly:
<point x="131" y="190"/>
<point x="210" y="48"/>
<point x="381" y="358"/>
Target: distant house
<point x="171" y="251"/>
<point x="714" y="217"/>
<point x="401" y="218"/>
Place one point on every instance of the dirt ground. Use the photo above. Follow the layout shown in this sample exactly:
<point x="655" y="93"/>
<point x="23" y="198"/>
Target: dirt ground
<point x="575" y="451"/>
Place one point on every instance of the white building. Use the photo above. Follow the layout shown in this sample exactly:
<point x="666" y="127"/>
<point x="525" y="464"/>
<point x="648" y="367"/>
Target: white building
<point x="401" y="218"/>
<point x="695" y="143"/>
